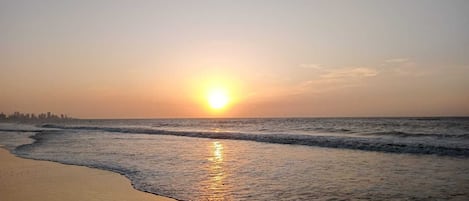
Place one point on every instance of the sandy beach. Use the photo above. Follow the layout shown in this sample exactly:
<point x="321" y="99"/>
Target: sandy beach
<point x="24" y="179"/>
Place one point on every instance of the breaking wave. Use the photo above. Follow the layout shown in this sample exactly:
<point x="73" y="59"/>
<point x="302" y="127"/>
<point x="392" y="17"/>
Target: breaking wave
<point x="346" y="142"/>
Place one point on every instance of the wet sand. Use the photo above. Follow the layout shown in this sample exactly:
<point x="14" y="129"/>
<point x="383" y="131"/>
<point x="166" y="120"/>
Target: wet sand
<point x="25" y="179"/>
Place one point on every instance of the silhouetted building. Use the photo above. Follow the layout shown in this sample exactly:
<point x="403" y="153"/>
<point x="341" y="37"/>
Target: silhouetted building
<point x="27" y="117"/>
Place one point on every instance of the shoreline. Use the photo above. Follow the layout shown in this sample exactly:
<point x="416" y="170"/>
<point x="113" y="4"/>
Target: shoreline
<point x="29" y="179"/>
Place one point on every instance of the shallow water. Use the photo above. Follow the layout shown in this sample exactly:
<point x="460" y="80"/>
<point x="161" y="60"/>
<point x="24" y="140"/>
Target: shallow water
<point x="194" y="168"/>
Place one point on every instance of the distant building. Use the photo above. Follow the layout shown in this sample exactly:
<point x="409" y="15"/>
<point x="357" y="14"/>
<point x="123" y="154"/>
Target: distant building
<point x="28" y="117"/>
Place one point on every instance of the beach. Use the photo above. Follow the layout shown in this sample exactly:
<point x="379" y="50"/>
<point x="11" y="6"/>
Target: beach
<point x="25" y="179"/>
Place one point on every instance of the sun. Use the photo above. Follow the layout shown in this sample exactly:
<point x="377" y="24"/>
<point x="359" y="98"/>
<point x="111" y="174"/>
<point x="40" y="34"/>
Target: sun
<point x="217" y="98"/>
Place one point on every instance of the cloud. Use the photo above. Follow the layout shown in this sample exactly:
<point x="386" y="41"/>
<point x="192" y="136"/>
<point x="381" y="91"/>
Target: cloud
<point x="404" y="67"/>
<point x="335" y="79"/>
<point x="311" y="66"/>
<point x="397" y="60"/>
<point x="346" y="73"/>
<point x="323" y="80"/>
<point x="338" y="73"/>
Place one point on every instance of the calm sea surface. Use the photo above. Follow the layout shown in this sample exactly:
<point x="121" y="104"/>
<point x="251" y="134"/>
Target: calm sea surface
<point x="265" y="159"/>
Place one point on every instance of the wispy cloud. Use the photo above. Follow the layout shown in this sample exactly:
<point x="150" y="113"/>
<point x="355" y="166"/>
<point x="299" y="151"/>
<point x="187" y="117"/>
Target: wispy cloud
<point x="404" y="67"/>
<point x="397" y="60"/>
<point x="324" y="79"/>
<point x="311" y="66"/>
<point x="336" y="78"/>
<point x="345" y="73"/>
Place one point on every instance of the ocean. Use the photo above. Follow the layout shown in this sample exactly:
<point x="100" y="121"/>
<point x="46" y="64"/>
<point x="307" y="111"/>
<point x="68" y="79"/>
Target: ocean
<point x="264" y="158"/>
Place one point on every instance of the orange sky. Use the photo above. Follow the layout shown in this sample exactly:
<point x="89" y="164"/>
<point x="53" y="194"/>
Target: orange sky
<point x="157" y="59"/>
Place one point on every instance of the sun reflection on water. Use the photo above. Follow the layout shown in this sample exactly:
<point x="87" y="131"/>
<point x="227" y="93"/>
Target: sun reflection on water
<point x="218" y="152"/>
<point x="216" y="189"/>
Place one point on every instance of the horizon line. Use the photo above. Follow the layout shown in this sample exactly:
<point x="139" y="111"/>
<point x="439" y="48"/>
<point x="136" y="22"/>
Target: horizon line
<point x="277" y="117"/>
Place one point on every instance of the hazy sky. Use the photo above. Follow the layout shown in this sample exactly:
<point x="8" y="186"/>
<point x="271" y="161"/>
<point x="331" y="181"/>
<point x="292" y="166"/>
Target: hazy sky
<point x="127" y="59"/>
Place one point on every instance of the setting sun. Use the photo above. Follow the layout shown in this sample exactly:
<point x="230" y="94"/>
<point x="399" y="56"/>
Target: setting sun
<point x="217" y="98"/>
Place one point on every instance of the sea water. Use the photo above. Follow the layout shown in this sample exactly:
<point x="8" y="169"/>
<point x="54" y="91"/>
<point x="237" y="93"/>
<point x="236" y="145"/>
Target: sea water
<point x="265" y="159"/>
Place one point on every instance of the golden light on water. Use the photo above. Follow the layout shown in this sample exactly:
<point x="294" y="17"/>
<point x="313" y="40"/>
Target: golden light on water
<point x="218" y="151"/>
<point x="216" y="188"/>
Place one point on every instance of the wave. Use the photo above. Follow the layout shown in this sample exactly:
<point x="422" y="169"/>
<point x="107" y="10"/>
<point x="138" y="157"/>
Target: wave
<point x="345" y="142"/>
<point x="21" y="130"/>
<point x="405" y="134"/>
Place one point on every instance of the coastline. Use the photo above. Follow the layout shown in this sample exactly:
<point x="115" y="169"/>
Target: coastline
<point x="27" y="179"/>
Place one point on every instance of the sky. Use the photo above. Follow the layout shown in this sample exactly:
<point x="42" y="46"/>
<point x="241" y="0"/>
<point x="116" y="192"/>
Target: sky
<point x="159" y="59"/>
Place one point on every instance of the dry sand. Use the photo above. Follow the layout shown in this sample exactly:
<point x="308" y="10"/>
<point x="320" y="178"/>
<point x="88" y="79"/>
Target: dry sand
<point x="32" y="180"/>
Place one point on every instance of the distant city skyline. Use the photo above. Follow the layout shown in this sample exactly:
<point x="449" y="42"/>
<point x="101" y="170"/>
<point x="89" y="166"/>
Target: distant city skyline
<point x="189" y="59"/>
<point x="45" y="116"/>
